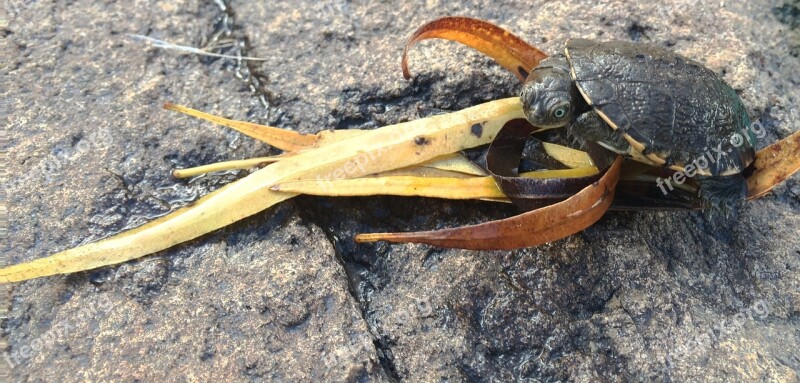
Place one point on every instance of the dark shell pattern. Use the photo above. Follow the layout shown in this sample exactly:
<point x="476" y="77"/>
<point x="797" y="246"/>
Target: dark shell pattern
<point x="672" y="109"/>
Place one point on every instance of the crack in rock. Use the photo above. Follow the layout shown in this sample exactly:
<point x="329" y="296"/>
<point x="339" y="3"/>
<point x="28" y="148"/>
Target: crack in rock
<point x="354" y="270"/>
<point x="244" y="70"/>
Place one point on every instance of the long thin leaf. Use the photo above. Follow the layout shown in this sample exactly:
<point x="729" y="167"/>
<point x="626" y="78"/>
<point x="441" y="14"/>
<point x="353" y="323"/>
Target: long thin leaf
<point x="532" y="228"/>
<point x="773" y="165"/>
<point x="407" y="186"/>
<point x="295" y="143"/>
<point x="391" y="147"/>
<point x="279" y="138"/>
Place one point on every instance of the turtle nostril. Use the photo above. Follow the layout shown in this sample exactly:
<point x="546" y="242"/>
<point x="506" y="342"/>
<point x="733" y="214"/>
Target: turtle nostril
<point x="529" y="94"/>
<point x="525" y="98"/>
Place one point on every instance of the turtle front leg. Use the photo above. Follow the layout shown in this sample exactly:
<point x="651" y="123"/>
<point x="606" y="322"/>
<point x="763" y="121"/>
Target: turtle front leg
<point x="722" y="195"/>
<point x="590" y="127"/>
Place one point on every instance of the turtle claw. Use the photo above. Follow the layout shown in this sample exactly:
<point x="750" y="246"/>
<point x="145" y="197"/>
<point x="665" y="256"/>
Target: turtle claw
<point x="575" y="139"/>
<point x="721" y="212"/>
<point x="723" y="196"/>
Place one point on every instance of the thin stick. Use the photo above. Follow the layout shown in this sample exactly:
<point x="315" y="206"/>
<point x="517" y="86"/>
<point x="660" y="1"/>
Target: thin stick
<point x="222" y="166"/>
<point x="192" y="50"/>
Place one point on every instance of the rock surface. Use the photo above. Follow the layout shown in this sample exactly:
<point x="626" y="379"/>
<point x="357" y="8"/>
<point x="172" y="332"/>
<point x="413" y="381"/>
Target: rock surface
<point x="287" y="295"/>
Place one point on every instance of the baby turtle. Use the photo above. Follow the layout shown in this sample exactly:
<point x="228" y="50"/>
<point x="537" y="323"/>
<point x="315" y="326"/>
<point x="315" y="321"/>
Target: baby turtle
<point x="652" y="105"/>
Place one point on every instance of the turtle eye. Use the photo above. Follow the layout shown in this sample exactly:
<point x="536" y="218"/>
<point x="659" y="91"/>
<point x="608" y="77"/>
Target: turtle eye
<point x="561" y="111"/>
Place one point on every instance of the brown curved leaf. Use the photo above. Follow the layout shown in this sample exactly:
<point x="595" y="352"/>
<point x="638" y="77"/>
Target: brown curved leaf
<point x="508" y="50"/>
<point x="773" y="165"/>
<point x="533" y="228"/>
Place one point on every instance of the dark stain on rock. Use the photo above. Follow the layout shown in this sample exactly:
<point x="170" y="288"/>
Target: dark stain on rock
<point x="788" y="14"/>
<point x="636" y="31"/>
<point x="476" y="130"/>
<point x="422" y="140"/>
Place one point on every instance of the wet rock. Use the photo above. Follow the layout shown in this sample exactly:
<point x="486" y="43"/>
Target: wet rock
<point x="286" y="294"/>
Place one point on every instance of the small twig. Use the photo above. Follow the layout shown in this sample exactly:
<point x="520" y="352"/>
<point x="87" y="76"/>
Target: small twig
<point x="166" y="45"/>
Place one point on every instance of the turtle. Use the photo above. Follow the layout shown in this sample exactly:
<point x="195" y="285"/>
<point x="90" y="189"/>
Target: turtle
<point x="651" y="105"/>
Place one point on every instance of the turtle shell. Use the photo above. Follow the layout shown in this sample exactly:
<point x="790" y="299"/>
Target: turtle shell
<point x="672" y="110"/>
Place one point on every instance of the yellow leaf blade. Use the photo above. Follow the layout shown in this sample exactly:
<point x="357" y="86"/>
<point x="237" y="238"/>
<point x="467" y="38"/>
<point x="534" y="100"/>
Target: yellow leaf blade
<point x="573" y="158"/>
<point x="408" y="186"/>
<point x="280" y="138"/>
<point x="375" y="151"/>
<point x="455" y="162"/>
<point x="561" y="173"/>
<point x="773" y="165"/>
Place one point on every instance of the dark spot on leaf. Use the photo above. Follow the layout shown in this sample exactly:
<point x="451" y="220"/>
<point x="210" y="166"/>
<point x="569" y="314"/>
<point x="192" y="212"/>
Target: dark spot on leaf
<point x="476" y="130"/>
<point x="421" y="140"/>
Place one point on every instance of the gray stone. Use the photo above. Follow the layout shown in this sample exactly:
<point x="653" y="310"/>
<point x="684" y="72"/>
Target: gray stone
<point x="287" y="295"/>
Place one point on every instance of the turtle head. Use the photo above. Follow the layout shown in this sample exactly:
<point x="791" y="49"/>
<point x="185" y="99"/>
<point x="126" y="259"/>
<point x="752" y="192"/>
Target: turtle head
<point x="549" y="97"/>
